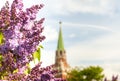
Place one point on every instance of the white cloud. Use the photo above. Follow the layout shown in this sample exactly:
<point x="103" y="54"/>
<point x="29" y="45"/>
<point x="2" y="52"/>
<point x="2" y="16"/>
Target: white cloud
<point x="103" y="48"/>
<point x="50" y="33"/>
<point x="84" y="6"/>
<point x="93" y="6"/>
<point x="72" y="35"/>
<point x="111" y="69"/>
<point x="47" y="57"/>
<point x="31" y="2"/>
<point x="77" y="25"/>
<point x="2" y="3"/>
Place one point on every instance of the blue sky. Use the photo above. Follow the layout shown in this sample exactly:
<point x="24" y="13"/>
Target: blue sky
<point x="90" y="28"/>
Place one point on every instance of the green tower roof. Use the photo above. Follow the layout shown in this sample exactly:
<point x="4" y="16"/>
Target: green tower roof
<point x="60" y="45"/>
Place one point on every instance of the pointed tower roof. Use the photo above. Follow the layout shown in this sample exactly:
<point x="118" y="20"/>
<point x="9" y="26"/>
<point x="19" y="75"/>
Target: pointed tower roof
<point x="60" y="45"/>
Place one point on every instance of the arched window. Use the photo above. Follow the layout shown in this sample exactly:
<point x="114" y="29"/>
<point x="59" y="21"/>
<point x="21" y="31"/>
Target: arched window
<point x="60" y="52"/>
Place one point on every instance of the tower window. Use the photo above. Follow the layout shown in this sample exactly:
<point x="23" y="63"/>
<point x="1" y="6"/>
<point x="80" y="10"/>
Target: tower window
<point x="60" y="52"/>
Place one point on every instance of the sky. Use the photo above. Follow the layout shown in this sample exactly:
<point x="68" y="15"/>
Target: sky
<point x="90" y="30"/>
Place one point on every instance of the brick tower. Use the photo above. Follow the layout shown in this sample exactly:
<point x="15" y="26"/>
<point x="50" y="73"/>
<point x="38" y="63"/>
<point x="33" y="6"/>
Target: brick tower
<point x="60" y="59"/>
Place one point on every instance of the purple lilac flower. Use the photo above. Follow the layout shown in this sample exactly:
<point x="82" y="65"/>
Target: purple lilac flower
<point x="23" y="34"/>
<point x="21" y="37"/>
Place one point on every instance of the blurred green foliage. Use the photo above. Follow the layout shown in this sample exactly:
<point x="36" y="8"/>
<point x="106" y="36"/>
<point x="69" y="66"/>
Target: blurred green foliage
<point x="91" y="73"/>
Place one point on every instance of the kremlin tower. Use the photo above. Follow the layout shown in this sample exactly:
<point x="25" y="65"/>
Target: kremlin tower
<point x="61" y="64"/>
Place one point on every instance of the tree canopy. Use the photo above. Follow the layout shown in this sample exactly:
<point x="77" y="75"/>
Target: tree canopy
<point x="91" y="73"/>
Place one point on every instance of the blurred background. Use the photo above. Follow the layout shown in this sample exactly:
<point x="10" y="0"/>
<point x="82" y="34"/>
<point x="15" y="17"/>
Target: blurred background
<point x="90" y="29"/>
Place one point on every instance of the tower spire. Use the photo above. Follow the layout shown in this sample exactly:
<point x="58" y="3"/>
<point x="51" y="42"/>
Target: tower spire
<point x="61" y="64"/>
<point x="60" y="45"/>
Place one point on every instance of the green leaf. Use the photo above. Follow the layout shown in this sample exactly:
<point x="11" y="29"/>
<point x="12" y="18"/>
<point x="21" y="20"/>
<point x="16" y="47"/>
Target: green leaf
<point x="0" y="57"/>
<point x="41" y="46"/>
<point x="15" y="71"/>
<point x="36" y="55"/>
<point x="27" y="71"/>
<point x="1" y="38"/>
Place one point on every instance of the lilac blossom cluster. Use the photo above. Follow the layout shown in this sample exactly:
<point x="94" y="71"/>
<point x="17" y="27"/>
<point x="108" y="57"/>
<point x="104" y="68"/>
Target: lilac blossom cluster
<point x="36" y="74"/>
<point x="22" y="35"/>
